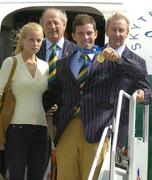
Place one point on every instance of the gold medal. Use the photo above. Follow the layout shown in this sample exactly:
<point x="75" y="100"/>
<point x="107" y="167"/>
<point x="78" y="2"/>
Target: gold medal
<point x="100" y="58"/>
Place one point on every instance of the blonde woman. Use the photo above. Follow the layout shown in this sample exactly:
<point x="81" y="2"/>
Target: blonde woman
<point x="26" y="137"/>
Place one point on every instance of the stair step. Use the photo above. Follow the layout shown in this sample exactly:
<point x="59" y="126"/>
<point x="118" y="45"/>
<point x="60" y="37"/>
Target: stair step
<point x="122" y="161"/>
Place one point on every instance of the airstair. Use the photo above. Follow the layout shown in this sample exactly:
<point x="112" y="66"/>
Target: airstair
<point x="116" y="165"/>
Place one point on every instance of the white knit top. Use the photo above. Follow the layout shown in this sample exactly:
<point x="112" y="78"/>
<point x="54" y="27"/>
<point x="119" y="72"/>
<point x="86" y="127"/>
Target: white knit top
<point x="28" y="90"/>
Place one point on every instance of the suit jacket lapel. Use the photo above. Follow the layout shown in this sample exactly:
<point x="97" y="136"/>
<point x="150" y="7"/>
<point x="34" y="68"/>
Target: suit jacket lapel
<point x="68" y="48"/>
<point x="42" y="52"/>
<point x="65" y="49"/>
<point x="96" y="64"/>
<point x="67" y="66"/>
<point x="127" y="53"/>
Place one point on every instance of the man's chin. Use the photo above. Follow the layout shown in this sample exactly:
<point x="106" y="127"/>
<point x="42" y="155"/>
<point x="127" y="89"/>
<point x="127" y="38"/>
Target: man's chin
<point x="54" y="38"/>
<point x="87" y="46"/>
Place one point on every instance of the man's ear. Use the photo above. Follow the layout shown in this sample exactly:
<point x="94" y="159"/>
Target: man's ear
<point x="96" y="34"/>
<point x="73" y="36"/>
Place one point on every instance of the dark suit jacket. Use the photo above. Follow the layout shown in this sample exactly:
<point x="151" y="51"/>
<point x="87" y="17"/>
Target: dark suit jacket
<point x="98" y="98"/>
<point x="68" y="48"/>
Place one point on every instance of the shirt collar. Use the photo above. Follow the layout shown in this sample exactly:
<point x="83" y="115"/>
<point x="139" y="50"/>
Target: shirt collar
<point x="119" y="50"/>
<point x="60" y="43"/>
<point x="79" y="53"/>
<point x="90" y="52"/>
<point x="95" y="49"/>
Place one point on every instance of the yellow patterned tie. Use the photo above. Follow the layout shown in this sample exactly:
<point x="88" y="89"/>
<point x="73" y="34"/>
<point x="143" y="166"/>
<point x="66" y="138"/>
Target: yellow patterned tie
<point x="82" y="76"/>
<point x="83" y="73"/>
<point x="52" y="63"/>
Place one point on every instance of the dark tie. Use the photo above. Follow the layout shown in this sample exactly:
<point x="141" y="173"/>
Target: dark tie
<point x="52" y="63"/>
<point x="82" y="75"/>
<point x="83" y="72"/>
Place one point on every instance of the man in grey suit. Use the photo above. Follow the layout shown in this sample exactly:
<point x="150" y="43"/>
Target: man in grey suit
<point x="54" y="22"/>
<point x="90" y="106"/>
<point x="117" y="30"/>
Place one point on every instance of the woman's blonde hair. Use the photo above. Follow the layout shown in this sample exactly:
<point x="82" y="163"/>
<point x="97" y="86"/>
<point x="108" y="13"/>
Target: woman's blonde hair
<point x="22" y="34"/>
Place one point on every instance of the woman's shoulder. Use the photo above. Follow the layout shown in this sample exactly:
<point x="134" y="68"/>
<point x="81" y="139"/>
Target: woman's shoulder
<point x="6" y="65"/>
<point x="8" y="61"/>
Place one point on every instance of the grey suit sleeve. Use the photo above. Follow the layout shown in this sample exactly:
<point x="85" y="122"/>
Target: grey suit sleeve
<point x="143" y="82"/>
<point x="136" y="68"/>
<point x="145" y="86"/>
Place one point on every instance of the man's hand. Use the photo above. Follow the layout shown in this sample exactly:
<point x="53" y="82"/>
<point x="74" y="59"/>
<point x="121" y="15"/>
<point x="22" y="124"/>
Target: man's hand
<point x="140" y="95"/>
<point x="2" y="147"/>
<point x="53" y="109"/>
<point x="111" y="54"/>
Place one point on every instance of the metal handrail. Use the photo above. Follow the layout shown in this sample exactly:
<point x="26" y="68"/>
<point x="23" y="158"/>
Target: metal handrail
<point x="93" y="168"/>
<point x="132" y="118"/>
<point x="116" y="126"/>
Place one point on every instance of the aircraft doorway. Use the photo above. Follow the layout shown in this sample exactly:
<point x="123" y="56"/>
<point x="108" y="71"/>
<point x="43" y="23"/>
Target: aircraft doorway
<point x="12" y="23"/>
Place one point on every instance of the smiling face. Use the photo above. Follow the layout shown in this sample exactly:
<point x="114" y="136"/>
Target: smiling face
<point x="117" y="32"/>
<point x="53" y="25"/>
<point x="85" y="36"/>
<point x="32" y="41"/>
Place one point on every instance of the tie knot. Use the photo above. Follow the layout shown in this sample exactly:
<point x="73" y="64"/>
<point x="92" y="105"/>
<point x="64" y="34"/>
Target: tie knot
<point x="53" y="47"/>
<point x="85" y="56"/>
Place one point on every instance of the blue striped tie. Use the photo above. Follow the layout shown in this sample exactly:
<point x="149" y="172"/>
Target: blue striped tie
<point x="83" y="73"/>
<point x="52" y="64"/>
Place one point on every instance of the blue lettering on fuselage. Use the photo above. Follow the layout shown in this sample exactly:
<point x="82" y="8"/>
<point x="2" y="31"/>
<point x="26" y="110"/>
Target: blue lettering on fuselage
<point x="136" y="33"/>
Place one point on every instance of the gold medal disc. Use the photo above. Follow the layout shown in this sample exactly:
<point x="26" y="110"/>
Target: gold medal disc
<point x="100" y="58"/>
